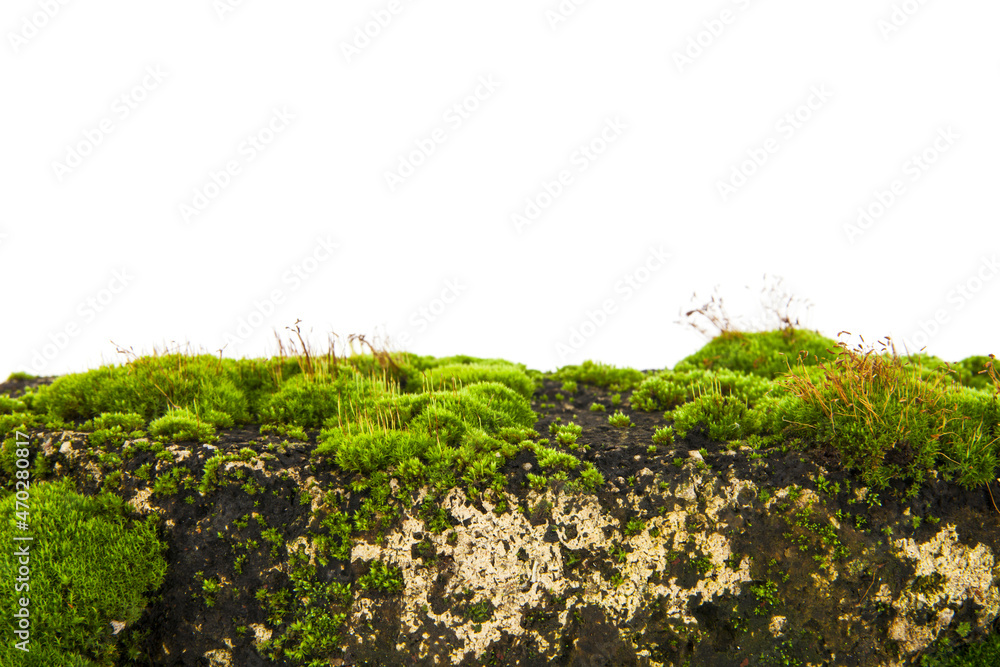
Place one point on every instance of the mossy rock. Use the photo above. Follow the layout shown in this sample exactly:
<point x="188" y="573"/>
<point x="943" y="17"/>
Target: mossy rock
<point x="768" y="353"/>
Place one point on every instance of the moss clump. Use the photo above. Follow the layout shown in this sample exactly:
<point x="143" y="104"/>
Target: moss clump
<point x="382" y="578"/>
<point x="974" y="372"/>
<point x="983" y="654"/>
<point x="727" y="417"/>
<point x="600" y="375"/>
<point x="454" y="376"/>
<point x="10" y="405"/>
<point x="436" y="436"/>
<point x="669" y="389"/>
<point x="114" y="427"/>
<point x="552" y="458"/>
<point x="88" y="566"/>
<point x="767" y="354"/>
<point x="182" y="425"/>
<point x="310" y="403"/>
<point x="151" y="386"/>
<point x="891" y="419"/>
<point x="355" y="449"/>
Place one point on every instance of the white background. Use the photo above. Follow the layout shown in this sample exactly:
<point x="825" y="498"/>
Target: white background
<point x="897" y="73"/>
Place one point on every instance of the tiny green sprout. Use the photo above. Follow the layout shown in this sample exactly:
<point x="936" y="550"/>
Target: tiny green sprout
<point x="537" y="482"/>
<point x="664" y="436"/>
<point x="634" y="527"/>
<point x="569" y="386"/>
<point x="597" y="407"/>
<point x="616" y="399"/>
<point x="651" y="449"/>
<point x="620" y="420"/>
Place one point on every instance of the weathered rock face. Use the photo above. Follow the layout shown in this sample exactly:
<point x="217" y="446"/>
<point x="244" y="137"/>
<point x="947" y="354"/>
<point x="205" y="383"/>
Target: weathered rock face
<point x="709" y="579"/>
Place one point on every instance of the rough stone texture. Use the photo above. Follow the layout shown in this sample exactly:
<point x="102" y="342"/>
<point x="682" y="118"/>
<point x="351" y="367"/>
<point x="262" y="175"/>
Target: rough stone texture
<point x="484" y="560"/>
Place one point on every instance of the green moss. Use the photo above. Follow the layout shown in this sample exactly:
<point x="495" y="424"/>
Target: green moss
<point x="88" y="565"/>
<point x="982" y="654"/>
<point x="310" y="629"/>
<point x="112" y="428"/>
<point x="11" y="405"/>
<point x="566" y="434"/>
<point x="767" y="597"/>
<point x="620" y="420"/>
<point x="310" y="403"/>
<point x="634" y="527"/>
<point x="382" y="577"/>
<point x="973" y="372"/>
<point x="357" y="450"/>
<point x="180" y="425"/>
<point x="150" y="386"/>
<point x="590" y="477"/>
<point x="600" y="375"/>
<point x="727" y="417"/>
<point x="669" y="389"/>
<point x="891" y="420"/>
<point x="455" y="376"/>
<point x="767" y="354"/>
<point x="664" y="435"/>
<point x="551" y="458"/>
